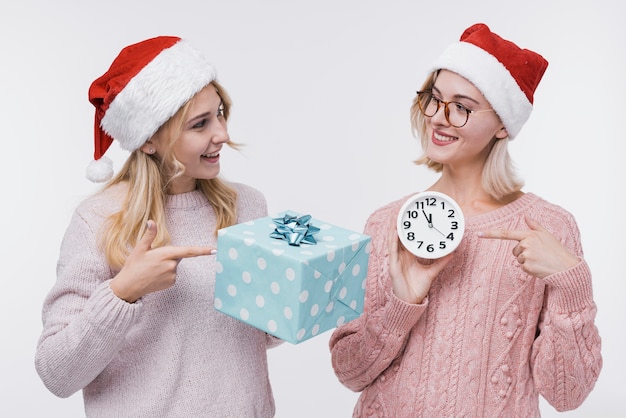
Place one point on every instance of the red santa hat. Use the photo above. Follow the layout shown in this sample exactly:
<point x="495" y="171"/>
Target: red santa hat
<point x="145" y="86"/>
<point x="506" y="74"/>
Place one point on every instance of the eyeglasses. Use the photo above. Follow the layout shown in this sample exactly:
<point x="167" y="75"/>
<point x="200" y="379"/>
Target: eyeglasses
<point x="457" y="116"/>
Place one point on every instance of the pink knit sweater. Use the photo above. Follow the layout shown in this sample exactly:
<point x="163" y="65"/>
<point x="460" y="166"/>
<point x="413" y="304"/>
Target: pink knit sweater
<point x="488" y="339"/>
<point x="170" y="354"/>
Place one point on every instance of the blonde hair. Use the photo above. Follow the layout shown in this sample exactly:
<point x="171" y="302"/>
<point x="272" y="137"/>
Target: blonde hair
<point x="147" y="179"/>
<point x="499" y="177"/>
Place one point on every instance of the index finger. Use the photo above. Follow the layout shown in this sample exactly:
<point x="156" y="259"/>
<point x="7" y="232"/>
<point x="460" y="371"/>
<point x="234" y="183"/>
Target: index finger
<point x="508" y="234"/>
<point x="177" y="253"/>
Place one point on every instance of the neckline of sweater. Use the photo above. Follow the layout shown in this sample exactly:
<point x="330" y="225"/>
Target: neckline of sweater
<point x="187" y="200"/>
<point x="514" y="208"/>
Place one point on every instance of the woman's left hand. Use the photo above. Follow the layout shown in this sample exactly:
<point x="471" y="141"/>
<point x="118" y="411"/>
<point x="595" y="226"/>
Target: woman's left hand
<point x="538" y="252"/>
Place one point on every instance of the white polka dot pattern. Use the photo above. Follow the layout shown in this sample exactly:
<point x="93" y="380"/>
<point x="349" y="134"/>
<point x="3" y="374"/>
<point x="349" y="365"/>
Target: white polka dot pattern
<point x="291" y="292"/>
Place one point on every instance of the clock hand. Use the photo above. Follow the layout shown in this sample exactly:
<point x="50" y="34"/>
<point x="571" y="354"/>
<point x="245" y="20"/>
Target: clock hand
<point x="429" y="219"/>
<point x="431" y="225"/>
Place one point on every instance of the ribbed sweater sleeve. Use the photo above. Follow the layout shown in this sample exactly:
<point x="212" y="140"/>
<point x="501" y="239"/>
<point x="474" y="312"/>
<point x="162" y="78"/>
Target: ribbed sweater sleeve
<point x="566" y="359"/>
<point x="363" y="348"/>
<point x="84" y="322"/>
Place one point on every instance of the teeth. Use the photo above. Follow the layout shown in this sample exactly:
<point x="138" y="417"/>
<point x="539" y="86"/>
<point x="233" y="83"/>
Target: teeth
<point x="440" y="137"/>
<point x="215" y="154"/>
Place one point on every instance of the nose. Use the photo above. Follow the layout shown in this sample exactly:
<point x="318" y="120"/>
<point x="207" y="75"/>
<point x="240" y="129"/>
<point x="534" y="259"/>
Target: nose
<point x="220" y="134"/>
<point x="439" y="118"/>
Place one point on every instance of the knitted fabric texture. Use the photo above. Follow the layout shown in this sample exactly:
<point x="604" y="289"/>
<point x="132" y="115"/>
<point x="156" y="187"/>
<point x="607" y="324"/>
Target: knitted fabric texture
<point x="170" y="353"/>
<point x="487" y="341"/>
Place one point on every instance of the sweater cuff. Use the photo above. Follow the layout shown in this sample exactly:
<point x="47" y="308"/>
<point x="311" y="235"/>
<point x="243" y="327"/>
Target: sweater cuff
<point x="570" y="290"/>
<point x="401" y="316"/>
<point x="108" y="311"/>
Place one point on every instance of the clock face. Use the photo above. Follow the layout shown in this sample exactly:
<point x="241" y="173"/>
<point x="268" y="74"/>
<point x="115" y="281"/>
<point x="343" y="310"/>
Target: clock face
<point x="430" y="225"/>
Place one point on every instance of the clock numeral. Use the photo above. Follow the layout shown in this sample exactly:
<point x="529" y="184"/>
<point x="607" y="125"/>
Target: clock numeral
<point x="410" y="236"/>
<point x="412" y="213"/>
<point x="406" y="224"/>
<point x="450" y="213"/>
<point x="453" y="225"/>
<point x="442" y="245"/>
<point x="450" y="236"/>
<point x="430" y="248"/>
<point x="429" y="201"/>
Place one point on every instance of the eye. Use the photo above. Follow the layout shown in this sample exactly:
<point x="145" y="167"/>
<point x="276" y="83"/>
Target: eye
<point x="220" y="110"/>
<point x="201" y="124"/>
<point x="460" y="108"/>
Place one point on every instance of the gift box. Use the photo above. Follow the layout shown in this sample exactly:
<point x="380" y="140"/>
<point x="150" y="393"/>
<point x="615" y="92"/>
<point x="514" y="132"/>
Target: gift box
<point x="290" y="275"/>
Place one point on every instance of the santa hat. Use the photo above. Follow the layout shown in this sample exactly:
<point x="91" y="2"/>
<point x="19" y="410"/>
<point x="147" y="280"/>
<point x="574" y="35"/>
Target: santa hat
<point x="145" y="86"/>
<point x="506" y="74"/>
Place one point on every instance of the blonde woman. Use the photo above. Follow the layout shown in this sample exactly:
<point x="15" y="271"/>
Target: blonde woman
<point x="509" y="315"/>
<point x="130" y="320"/>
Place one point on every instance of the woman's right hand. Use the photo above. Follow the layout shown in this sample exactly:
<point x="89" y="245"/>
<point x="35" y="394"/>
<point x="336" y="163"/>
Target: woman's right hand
<point x="411" y="279"/>
<point x="148" y="270"/>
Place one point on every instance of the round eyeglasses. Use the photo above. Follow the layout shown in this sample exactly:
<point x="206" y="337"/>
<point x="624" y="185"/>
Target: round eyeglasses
<point x="456" y="116"/>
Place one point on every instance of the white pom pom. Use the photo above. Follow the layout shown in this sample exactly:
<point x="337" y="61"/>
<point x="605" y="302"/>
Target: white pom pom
<point x="101" y="170"/>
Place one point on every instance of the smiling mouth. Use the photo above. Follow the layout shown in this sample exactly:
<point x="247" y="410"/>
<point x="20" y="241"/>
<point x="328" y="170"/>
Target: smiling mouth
<point x="211" y="155"/>
<point x="443" y="138"/>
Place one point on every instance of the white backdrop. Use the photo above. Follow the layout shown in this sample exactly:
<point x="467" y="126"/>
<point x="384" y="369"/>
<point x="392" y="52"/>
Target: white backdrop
<point x="329" y="83"/>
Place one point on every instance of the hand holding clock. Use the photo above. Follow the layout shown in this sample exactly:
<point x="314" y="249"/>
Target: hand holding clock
<point x="539" y="253"/>
<point x="410" y="279"/>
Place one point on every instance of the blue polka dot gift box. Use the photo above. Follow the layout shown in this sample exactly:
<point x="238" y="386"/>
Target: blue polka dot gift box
<point x="290" y="275"/>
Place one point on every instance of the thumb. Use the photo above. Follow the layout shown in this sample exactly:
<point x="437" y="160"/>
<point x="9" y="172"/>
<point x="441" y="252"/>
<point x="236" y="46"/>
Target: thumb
<point x="145" y="243"/>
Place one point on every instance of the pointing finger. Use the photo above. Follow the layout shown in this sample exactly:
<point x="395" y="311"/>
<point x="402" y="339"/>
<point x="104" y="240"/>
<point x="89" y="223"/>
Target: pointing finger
<point x="507" y="234"/>
<point x="177" y="253"/>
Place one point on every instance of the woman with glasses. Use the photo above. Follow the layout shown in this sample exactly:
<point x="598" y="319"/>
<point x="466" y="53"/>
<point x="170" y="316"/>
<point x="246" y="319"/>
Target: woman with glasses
<point x="509" y="315"/>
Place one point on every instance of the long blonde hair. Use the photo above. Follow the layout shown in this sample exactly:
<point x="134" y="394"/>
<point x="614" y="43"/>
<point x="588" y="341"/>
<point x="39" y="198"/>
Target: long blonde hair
<point x="499" y="178"/>
<point x="147" y="179"/>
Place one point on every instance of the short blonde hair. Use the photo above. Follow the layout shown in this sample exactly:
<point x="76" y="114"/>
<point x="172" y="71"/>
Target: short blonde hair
<point x="499" y="177"/>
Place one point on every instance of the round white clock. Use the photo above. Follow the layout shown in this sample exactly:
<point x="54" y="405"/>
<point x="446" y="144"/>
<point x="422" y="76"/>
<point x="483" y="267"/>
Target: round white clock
<point x="430" y="224"/>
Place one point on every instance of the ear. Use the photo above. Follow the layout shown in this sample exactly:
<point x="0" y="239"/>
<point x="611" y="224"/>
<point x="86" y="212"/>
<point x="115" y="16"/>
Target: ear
<point x="148" y="147"/>
<point x="502" y="133"/>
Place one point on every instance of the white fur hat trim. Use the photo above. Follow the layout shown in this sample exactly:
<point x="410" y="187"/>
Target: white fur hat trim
<point x="155" y="94"/>
<point x="493" y="80"/>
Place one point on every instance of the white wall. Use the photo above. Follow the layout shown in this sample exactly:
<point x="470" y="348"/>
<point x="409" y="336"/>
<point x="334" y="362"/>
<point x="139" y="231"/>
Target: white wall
<point x="327" y="80"/>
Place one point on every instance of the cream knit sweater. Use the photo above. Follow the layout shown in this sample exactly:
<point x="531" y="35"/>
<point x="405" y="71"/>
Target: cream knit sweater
<point x="488" y="339"/>
<point x="170" y="354"/>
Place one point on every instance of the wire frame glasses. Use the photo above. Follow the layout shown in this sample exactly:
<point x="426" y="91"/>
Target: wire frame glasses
<point x="455" y="113"/>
